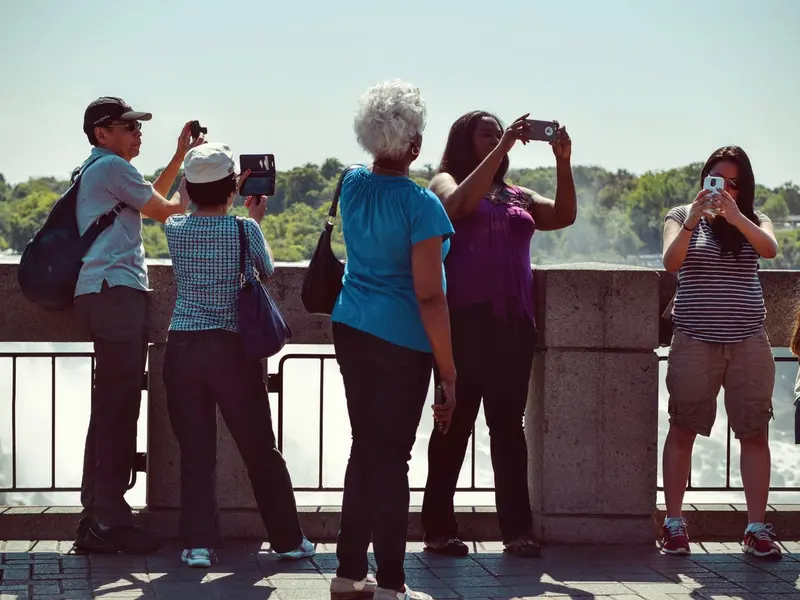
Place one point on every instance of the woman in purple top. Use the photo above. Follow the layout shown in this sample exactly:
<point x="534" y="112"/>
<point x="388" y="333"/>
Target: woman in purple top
<point x="490" y="297"/>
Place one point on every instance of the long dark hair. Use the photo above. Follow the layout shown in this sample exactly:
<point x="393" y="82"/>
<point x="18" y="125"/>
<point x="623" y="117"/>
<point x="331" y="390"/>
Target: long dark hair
<point x="459" y="158"/>
<point x="794" y="344"/>
<point x="731" y="239"/>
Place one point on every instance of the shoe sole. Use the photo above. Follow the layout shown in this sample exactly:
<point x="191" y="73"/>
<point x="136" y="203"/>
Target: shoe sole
<point x="678" y="552"/>
<point x="91" y="544"/>
<point x="460" y="554"/>
<point x="365" y="595"/>
<point x="531" y="554"/>
<point x="196" y="565"/>
<point x="772" y="554"/>
<point x="299" y="557"/>
<point x="123" y="549"/>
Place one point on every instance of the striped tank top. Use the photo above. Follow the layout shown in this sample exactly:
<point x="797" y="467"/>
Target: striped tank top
<point x="719" y="297"/>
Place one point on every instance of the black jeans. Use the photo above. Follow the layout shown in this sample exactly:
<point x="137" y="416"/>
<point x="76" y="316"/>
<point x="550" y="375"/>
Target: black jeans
<point x="386" y="386"/>
<point x="117" y="320"/>
<point x="493" y="360"/>
<point x="203" y="370"/>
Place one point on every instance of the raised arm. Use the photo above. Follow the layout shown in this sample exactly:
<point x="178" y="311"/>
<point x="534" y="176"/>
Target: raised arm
<point x="461" y="199"/>
<point x="166" y="178"/>
<point x="678" y="233"/>
<point x="160" y="209"/>
<point x="561" y="212"/>
<point x="129" y="186"/>
<point x="260" y="252"/>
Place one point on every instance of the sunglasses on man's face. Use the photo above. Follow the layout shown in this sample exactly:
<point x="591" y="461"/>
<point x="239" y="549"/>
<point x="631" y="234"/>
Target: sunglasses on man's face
<point x="132" y="126"/>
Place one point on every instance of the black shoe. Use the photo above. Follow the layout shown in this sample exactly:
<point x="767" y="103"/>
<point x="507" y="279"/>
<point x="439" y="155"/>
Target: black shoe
<point x="87" y="542"/>
<point x="524" y="547"/>
<point x="128" y="539"/>
<point x="447" y="546"/>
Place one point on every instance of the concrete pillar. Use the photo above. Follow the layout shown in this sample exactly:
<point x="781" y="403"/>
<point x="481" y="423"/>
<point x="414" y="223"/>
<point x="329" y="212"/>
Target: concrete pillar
<point x="592" y="421"/>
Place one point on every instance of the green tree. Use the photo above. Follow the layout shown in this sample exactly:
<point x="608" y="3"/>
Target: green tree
<point x="27" y="217"/>
<point x="331" y="168"/>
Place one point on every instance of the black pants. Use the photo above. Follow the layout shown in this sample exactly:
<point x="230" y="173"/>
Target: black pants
<point x="386" y="386"/>
<point x="203" y="370"/>
<point x="117" y="320"/>
<point x="493" y="360"/>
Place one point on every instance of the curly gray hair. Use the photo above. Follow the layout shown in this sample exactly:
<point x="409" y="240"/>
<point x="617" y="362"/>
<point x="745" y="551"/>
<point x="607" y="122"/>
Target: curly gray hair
<point x="388" y="118"/>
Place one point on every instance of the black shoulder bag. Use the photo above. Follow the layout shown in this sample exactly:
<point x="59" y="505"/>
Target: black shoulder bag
<point x="323" y="279"/>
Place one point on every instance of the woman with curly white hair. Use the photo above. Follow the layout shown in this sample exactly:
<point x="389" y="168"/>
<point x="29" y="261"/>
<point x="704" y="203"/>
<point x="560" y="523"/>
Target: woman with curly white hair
<point x="390" y="326"/>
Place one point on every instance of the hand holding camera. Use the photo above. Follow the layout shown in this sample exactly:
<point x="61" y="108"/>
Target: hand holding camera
<point x="190" y="137"/>
<point x="702" y="203"/>
<point x="256" y="204"/>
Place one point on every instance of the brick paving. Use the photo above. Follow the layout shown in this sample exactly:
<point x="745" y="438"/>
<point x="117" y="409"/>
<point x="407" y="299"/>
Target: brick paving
<point x="30" y="570"/>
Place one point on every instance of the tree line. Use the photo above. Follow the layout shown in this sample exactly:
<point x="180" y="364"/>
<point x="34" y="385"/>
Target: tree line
<point x="620" y="215"/>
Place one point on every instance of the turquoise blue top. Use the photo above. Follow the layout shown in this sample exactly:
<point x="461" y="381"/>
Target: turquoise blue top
<point x="382" y="217"/>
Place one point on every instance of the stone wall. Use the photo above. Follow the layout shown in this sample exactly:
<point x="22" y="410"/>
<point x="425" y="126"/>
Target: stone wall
<point x="592" y="410"/>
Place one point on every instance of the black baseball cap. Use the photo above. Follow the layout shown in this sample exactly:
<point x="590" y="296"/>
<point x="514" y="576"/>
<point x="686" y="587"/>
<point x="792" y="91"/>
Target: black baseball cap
<point x="107" y="109"/>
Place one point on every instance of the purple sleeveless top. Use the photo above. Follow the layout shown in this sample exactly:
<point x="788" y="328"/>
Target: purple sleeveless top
<point x="490" y="257"/>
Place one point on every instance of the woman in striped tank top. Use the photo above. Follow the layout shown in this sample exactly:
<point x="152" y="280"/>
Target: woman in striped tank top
<point x="714" y="245"/>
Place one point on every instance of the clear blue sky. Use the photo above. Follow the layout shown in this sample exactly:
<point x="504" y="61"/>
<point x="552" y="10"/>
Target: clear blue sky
<point x="640" y="84"/>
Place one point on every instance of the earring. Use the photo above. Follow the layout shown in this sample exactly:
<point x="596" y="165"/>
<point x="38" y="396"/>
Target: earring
<point x="414" y="150"/>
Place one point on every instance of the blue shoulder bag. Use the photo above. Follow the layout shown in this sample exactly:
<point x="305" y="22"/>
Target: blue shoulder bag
<point x="262" y="328"/>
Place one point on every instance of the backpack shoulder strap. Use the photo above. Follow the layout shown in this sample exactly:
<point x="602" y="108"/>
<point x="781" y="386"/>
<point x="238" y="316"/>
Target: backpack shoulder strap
<point x="78" y="171"/>
<point x="103" y="221"/>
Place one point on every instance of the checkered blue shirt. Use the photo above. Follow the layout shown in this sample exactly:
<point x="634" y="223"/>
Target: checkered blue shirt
<point x="205" y="259"/>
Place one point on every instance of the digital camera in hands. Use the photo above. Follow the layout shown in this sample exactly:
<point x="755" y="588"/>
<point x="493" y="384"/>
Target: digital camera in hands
<point x="261" y="181"/>
<point x="714" y="184"/>
<point x="541" y="131"/>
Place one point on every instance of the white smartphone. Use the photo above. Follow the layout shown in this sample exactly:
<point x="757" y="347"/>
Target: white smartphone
<point x="714" y="184"/>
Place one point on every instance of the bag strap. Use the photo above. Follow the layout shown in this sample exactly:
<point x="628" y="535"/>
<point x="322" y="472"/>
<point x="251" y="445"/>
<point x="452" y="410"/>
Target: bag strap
<point x="335" y="201"/>
<point x="242" y="248"/>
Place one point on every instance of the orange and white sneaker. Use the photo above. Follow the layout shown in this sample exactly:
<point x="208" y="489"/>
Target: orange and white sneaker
<point x="759" y="540"/>
<point x="675" y="537"/>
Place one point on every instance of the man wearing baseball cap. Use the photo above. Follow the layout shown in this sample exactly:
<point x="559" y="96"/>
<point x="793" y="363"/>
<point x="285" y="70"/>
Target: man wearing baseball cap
<point x="111" y="297"/>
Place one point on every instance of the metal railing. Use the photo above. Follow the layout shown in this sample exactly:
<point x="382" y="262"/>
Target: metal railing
<point x="728" y="487"/>
<point x="139" y="459"/>
<point x="276" y="385"/>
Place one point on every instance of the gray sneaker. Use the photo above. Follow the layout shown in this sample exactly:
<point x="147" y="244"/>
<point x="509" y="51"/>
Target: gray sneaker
<point x="343" y="588"/>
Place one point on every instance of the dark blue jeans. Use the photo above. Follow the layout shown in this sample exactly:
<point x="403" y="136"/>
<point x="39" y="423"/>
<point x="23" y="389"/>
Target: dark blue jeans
<point x="386" y="386"/>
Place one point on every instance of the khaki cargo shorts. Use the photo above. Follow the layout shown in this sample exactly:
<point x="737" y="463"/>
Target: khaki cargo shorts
<point x="697" y="370"/>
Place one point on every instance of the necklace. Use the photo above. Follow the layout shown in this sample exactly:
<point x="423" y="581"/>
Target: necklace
<point x="496" y="194"/>
<point x="384" y="169"/>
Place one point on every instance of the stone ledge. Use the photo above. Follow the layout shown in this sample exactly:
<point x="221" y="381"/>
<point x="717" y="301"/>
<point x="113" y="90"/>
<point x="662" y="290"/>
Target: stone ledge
<point x="320" y="523"/>
<point x="707" y="522"/>
<point x="726" y="522"/>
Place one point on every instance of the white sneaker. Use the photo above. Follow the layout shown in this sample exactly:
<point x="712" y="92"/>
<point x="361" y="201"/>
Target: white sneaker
<point x="305" y="550"/>
<point x="199" y="558"/>
<point x="384" y="594"/>
<point x="343" y="588"/>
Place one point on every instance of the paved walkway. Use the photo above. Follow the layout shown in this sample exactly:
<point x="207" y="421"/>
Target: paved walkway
<point x="31" y="570"/>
